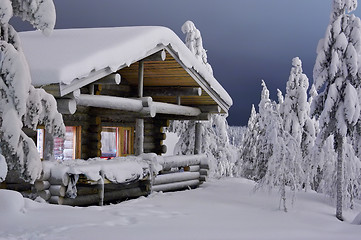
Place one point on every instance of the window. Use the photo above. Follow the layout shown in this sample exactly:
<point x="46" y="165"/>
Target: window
<point x="116" y="141"/>
<point x="66" y="148"/>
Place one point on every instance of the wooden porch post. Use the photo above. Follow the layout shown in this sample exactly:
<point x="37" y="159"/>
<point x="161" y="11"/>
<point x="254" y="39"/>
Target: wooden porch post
<point x="198" y="138"/>
<point x="139" y="122"/>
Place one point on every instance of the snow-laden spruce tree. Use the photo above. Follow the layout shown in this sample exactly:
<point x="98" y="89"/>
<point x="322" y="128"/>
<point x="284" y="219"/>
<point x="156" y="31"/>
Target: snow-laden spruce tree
<point x="249" y="152"/>
<point x="195" y="44"/>
<point x="263" y="144"/>
<point x="21" y="105"/>
<point x="295" y="111"/>
<point x="279" y="149"/>
<point x="336" y="74"/>
<point x="215" y="143"/>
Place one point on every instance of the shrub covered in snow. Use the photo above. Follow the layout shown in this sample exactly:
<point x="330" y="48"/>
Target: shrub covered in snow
<point x="215" y="144"/>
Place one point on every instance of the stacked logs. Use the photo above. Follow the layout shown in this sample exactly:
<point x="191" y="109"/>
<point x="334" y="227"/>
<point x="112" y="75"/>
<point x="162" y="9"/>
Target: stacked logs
<point x="54" y="190"/>
<point x="181" y="172"/>
<point x="50" y="188"/>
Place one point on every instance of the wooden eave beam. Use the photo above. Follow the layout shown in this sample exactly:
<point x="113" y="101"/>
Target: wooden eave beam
<point x="143" y="105"/>
<point x="172" y="91"/>
<point x="111" y="79"/>
<point x="202" y="83"/>
<point x="158" y="56"/>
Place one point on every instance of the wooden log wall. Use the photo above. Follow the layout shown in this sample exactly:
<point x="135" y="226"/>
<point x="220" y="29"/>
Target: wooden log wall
<point x="154" y="135"/>
<point x="15" y="183"/>
<point x="54" y="191"/>
<point x="82" y="119"/>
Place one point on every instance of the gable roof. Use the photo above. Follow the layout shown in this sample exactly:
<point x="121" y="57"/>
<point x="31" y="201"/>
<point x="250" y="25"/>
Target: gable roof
<point x="70" y="56"/>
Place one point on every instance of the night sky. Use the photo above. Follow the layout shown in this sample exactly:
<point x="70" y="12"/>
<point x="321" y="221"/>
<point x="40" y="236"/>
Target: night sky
<point x="247" y="40"/>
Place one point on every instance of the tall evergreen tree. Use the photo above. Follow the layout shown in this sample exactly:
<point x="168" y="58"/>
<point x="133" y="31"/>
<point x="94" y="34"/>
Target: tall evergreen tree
<point x="336" y="74"/>
<point x="280" y="166"/>
<point x="249" y="152"/>
<point x="21" y="105"/>
<point x="215" y="143"/>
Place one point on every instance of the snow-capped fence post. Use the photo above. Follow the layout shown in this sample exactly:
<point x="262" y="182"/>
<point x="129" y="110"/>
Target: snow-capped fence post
<point x="198" y="138"/>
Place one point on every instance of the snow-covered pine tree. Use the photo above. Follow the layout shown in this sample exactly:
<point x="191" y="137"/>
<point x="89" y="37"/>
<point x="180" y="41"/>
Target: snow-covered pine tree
<point x="296" y="116"/>
<point x="21" y="105"/>
<point x="280" y="164"/>
<point x="215" y="143"/>
<point x="249" y="152"/>
<point x="336" y="74"/>
<point x="195" y="44"/>
<point x="263" y="144"/>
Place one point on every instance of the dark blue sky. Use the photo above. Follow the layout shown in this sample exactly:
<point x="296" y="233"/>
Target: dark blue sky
<point x="247" y="40"/>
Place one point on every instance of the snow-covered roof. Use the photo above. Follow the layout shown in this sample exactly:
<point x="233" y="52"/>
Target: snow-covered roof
<point x="71" y="54"/>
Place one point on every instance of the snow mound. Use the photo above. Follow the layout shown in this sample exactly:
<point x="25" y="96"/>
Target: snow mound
<point x="357" y="219"/>
<point x="11" y="202"/>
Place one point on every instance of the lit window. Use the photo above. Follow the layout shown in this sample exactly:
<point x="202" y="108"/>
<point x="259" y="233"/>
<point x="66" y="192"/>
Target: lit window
<point x="109" y="140"/>
<point x="116" y="141"/>
<point x="66" y="148"/>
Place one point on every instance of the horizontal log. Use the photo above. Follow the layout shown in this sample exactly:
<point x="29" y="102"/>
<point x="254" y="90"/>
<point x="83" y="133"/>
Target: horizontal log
<point x="155" y="138"/>
<point x="87" y="189"/>
<point x="204" y="172"/>
<point x="181" y="160"/>
<point x="45" y="194"/>
<point x="175" y="177"/>
<point x="194" y="168"/>
<point x="176" y="186"/>
<point x="66" y="106"/>
<point x="92" y="199"/>
<point x="204" y="166"/>
<point x="111" y="79"/>
<point x="41" y="185"/>
<point x="86" y="200"/>
<point x="20" y="187"/>
<point x="202" y="178"/>
<point x="158" y="56"/>
<point x="60" y="181"/>
<point x="57" y="190"/>
<point x="210" y="108"/>
<point x="158" y="149"/>
<point x="200" y="117"/>
<point x="118" y="103"/>
<point x="172" y="91"/>
<point x="168" y="108"/>
<point x="125" y="194"/>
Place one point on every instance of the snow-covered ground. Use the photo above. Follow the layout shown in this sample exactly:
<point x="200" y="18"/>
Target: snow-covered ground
<point x="219" y="209"/>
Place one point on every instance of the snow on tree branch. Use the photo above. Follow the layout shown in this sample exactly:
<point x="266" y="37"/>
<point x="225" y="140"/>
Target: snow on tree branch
<point x="194" y="43"/>
<point x="21" y="105"/>
<point x="40" y="13"/>
<point x="337" y="74"/>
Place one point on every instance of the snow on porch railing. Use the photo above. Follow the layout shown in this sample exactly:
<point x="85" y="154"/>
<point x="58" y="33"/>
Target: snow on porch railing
<point x="181" y="172"/>
<point x="80" y="183"/>
<point x="95" y="181"/>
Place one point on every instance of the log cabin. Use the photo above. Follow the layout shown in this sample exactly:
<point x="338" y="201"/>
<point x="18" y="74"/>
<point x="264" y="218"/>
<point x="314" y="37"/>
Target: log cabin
<point x="117" y="88"/>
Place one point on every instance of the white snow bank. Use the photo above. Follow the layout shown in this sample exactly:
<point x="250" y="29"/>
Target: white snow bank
<point x="220" y="209"/>
<point x="11" y="202"/>
<point x="117" y="170"/>
<point x="70" y="54"/>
